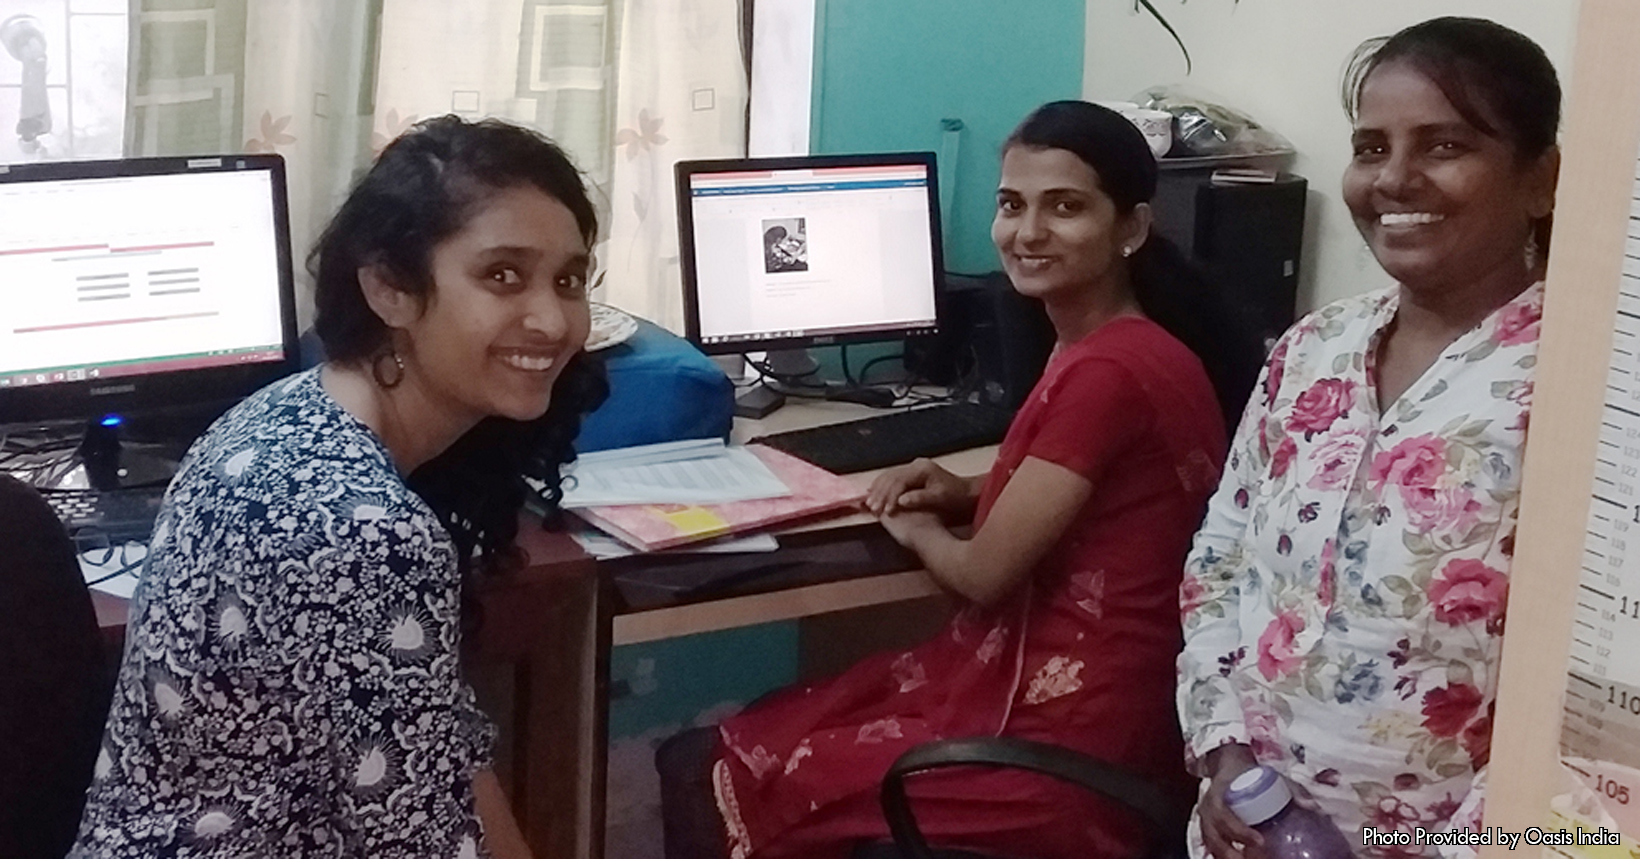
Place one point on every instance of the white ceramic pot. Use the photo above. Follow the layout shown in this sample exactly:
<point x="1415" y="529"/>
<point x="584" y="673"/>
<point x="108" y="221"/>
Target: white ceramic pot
<point x="1156" y="126"/>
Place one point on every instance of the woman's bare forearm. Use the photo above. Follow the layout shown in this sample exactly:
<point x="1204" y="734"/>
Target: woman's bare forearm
<point x="501" y="833"/>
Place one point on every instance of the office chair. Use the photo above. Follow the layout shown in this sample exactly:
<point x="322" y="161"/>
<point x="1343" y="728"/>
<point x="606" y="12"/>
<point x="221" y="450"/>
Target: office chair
<point x="55" y="685"/>
<point x="1164" y="820"/>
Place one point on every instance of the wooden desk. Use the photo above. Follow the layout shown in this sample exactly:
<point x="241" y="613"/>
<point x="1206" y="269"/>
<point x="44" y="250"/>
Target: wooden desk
<point x="542" y="651"/>
<point x="785" y="603"/>
<point x="604" y="617"/>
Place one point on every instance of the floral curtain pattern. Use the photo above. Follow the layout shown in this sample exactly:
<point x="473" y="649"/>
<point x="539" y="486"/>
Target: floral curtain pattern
<point x="306" y="89"/>
<point x="626" y="86"/>
<point x="186" y="80"/>
<point x="682" y="94"/>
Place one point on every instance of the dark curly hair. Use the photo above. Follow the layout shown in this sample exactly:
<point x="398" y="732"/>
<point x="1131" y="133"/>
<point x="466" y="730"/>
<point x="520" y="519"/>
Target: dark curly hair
<point x="422" y="189"/>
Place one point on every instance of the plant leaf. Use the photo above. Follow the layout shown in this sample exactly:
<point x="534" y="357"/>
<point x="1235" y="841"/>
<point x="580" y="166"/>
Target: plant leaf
<point x="1170" y="31"/>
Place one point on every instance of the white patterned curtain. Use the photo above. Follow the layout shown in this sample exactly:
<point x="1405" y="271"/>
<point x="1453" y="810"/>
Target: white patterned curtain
<point x="314" y="107"/>
<point x="626" y="86"/>
<point x="682" y="94"/>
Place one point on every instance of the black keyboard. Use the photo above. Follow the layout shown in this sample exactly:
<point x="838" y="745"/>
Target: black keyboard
<point x="895" y="437"/>
<point x="118" y="515"/>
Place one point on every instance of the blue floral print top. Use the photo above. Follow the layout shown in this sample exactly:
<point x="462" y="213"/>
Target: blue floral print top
<point x="290" y="684"/>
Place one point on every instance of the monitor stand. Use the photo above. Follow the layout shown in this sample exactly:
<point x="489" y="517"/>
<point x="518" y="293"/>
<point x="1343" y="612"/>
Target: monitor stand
<point x="114" y="462"/>
<point x="761" y="399"/>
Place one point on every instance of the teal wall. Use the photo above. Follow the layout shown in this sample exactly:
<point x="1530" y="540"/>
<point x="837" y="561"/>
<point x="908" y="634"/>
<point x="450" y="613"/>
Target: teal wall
<point x="888" y="71"/>
<point x="671" y="681"/>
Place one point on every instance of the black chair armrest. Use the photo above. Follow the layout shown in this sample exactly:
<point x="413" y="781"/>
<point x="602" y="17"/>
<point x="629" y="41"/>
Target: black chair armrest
<point x="1165" y="820"/>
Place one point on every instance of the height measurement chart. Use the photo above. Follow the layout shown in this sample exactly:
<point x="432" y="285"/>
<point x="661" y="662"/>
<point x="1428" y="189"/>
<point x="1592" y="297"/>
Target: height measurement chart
<point x="1603" y="672"/>
<point x="1600" y="734"/>
<point x="1566" y="736"/>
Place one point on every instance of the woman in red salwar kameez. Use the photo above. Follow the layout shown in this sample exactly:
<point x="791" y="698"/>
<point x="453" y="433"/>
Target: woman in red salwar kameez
<point x="1070" y="582"/>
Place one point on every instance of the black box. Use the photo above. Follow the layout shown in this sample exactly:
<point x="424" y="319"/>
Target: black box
<point x="990" y="337"/>
<point x="1247" y="240"/>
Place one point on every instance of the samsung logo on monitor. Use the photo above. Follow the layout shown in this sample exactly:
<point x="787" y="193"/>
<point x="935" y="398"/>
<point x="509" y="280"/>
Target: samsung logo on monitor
<point x="821" y="341"/>
<point x="105" y="390"/>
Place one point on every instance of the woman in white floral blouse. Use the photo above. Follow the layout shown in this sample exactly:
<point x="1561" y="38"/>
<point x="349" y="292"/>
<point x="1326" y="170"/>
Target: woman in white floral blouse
<point x="1344" y="600"/>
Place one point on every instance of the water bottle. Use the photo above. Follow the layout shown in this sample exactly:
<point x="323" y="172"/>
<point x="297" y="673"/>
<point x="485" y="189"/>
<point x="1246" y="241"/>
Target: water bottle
<point x="1261" y="799"/>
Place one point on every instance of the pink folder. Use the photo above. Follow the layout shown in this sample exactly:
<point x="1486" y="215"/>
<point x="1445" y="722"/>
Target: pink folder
<point x="658" y="526"/>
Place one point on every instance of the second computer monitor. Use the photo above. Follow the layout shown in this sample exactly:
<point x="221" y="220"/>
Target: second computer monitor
<point x="141" y="285"/>
<point x="781" y="253"/>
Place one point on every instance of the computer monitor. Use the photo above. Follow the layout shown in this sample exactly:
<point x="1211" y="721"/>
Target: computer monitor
<point x="141" y="285"/>
<point x="785" y="253"/>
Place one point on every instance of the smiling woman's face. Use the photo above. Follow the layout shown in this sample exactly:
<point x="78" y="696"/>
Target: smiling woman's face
<point x="1439" y="202"/>
<point x="507" y="311"/>
<point x="1055" y="228"/>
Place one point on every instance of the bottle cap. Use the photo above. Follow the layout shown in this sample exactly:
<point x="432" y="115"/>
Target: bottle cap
<point x="1258" y="795"/>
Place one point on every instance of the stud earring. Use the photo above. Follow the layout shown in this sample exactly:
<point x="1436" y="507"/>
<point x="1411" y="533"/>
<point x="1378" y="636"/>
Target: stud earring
<point x="1127" y="251"/>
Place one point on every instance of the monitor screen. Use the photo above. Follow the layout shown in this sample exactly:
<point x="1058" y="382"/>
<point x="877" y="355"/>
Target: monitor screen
<point x="145" y="282"/>
<point x="789" y="252"/>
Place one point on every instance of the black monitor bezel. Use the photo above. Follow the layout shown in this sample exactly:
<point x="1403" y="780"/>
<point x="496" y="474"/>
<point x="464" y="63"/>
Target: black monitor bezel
<point x="682" y="172"/>
<point x="92" y="399"/>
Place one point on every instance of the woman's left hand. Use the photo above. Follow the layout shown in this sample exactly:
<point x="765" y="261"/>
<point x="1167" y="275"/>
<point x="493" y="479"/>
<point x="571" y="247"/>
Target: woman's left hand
<point x="905" y="526"/>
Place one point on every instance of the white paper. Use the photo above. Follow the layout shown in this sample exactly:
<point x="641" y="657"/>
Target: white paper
<point x="114" y="570"/>
<point x="692" y="472"/>
<point x="666" y="451"/>
<point x="602" y="546"/>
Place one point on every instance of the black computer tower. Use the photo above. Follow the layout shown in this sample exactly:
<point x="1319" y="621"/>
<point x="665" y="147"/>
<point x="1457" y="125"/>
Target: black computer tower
<point x="1247" y="239"/>
<point x="991" y="338"/>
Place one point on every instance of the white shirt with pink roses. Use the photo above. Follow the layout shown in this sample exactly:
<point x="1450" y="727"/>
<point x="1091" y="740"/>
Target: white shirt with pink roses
<point x="1343" y="604"/>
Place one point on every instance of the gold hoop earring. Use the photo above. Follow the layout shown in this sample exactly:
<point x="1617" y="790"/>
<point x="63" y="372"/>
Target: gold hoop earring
<point x="376" y="368"/>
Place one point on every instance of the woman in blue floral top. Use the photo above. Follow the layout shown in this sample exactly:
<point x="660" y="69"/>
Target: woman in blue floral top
<point x="1344" y="601"/>
<point x="291" y="683"/>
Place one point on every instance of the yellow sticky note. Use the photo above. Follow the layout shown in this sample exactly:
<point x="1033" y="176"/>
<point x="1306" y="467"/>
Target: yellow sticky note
<point x="695" y="520"/>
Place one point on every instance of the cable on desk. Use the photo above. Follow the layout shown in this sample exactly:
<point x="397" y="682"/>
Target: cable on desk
<point x="859" y="384"/>
<point x="761" y="374"/>
<point x="787" y="379"/>
<point x="127" y="565"/>
<point x="959" y="390"/>
<point x="905" y="393"/>
<point x="842" y="358"/>
<point x="880" y="359"/>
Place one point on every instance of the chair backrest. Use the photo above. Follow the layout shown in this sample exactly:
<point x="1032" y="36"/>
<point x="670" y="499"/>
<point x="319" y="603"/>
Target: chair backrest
<point x="1164" y="821"/>
<point x="54" y="680"/>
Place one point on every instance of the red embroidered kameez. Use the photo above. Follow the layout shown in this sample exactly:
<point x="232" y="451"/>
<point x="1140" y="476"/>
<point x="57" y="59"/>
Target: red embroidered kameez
<point x="1083" y="656"/>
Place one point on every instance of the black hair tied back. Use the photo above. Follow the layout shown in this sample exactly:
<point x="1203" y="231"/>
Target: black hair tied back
<point x="1168" y="287"/>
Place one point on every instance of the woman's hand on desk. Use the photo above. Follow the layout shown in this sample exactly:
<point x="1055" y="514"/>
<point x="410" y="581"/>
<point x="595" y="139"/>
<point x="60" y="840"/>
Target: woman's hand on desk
<point x="910" y="528"/>
<point x="1038" y="503"/>
<point x="922" y="485"/>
